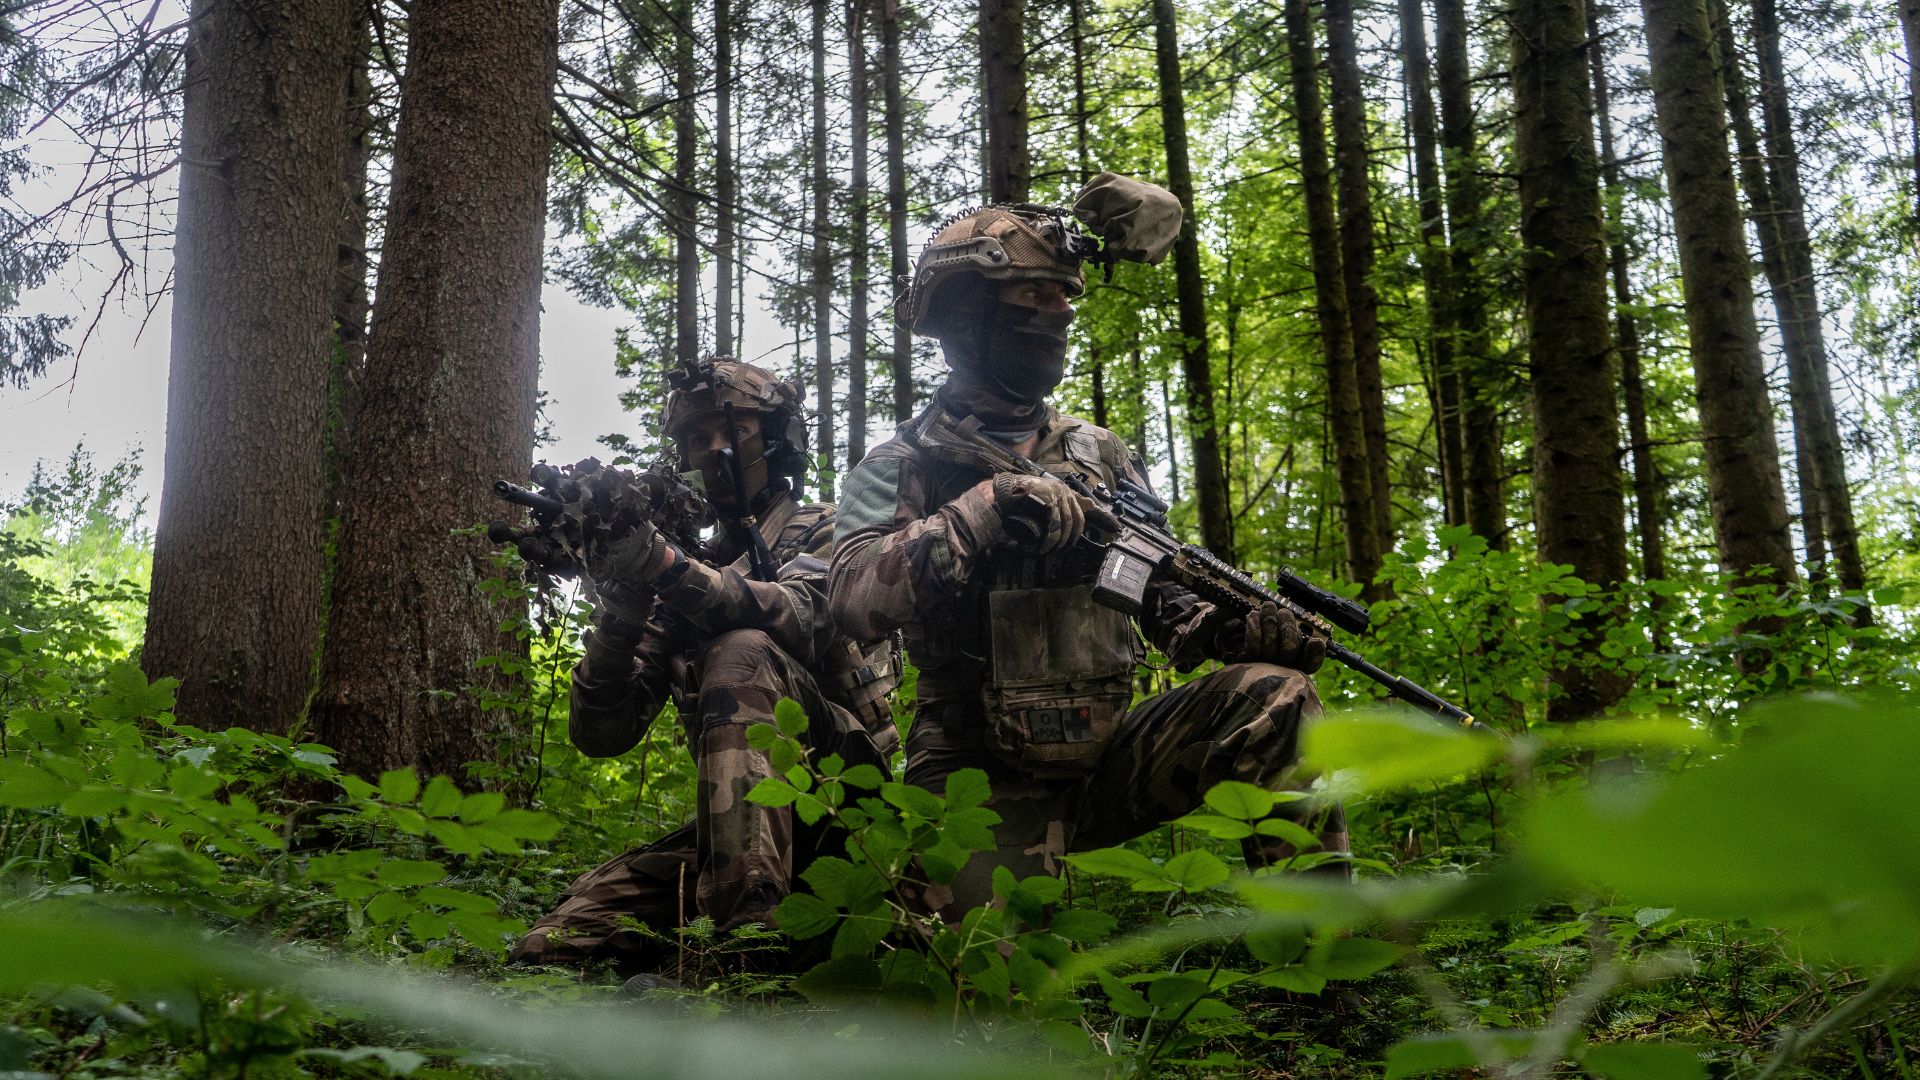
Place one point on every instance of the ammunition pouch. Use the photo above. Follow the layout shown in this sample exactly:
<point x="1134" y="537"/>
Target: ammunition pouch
<point x="861" y="678"/>
<point x="1060" y="680"/>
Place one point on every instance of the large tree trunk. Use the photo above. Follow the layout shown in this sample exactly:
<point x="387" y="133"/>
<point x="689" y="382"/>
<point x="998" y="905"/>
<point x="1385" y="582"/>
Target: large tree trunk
<point x="1801" y="333"/>
<point x="1484" y="470"/>
<point x="857" y="269"/>
<point x="686" y="226"/>
<point x="724" y="185"/>
<point x="1646" y="479"/>
<point x="1579" y="515"/>
<point x="1736" y="417"/>
<point x="821" y="264"/>
<point x="1350" y="159"/>
<point x="1766" y="221"/>
<point x="350" y="263"/>
<point x="1434" y="272"/>
<point x="1196" y="366"/>
<point x="238" y="558"/>
<point x="1330" y="304"/>
<point x="452" y="373"/>
<point x="1083" y="161"/>
<point x="902" y="359"/>
<point x="1003" y="93"/>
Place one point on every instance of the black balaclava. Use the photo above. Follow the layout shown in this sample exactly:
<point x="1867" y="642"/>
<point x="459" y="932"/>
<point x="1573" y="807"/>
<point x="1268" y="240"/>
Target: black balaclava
<point x="1006" y="358"/>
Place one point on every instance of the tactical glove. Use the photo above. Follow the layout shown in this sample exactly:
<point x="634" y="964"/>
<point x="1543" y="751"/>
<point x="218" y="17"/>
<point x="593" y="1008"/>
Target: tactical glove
<point x="608" y="648"/>
<point x="633" y="561"/>
<point x="1273" y="635"/>
<point x="1043" y="514"/>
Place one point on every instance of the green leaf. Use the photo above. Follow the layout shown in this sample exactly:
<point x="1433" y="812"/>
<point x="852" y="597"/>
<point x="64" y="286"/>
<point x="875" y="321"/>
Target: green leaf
<point x="482" y="807"/>
<point x="803" y="915"/>
<point x="1293" y="833"/>
<point x="1215" y="826"/>
<point x="790" y="717"/>
<point x="1277" y="945"/>
<point x="442" y="896"/>
<point x="914" y="800"/>
<point x="859" y="935"/>
<point x="1643" y="1061"/>
<point x="25" y="785"/>
<point x="1428" y="1054"/>
<point x="1196" y="870"/>
<point x="967" y="788"/>
<point x="1353" y="958"/>
<point x="399" y="785"/>
<point x="441" y="799"/>
<point x="1124" y="999"/>
<point x="1628" y="733"/>
<point x="971" y="829"/>
<point x="773" y="791"/>
<point x="127" y="695"/>
<point x="1374" y="752"/>
<point x="843" y="978"/>
<point x="762" y="736"/>
<point x="398" y="873"/>
<point x="527" y="824"/>
<point x="389" y="907"/>
<point x="455" y="837"/>
<point x="1296" y="979"/>
<point x="1116" y="862"/>
<point x="845" y="884"/>
<point x="1235" y="799"/>
<point x="1082" y="926"/>
<point x="863" y="776"/>
<point x="810" y="809"/>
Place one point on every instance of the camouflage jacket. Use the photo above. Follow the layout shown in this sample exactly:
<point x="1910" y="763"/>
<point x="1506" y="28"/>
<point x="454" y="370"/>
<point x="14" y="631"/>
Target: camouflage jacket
<point x="610" y="711"/>
<point x="907" y="557"/>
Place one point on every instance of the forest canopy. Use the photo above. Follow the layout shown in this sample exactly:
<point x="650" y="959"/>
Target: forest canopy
<point x="1574" y="340"/>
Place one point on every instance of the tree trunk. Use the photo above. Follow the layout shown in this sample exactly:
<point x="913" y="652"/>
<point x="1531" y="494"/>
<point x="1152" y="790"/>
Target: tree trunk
<point x="452" y="375"/>
<point x="1003" y="92"/>
<point x="857" y="269"/>
<point x="686" y="226"/>
<point x="1766" y="221"/>
<point x="1801" y="333"/>
<point x="1736" y="417"/>
<point x="1579" y="515"/>
<point x="1350" y="159"/>
<point x="350" y="262"/>
<point x="724" y="186"/>
<point x="1646" y="479"/>
<point x="1433" y="258"/>
<point x="1330" y="296"/>
<point x="1196" y="367"/>
<point x="238" y="559"/>
<point x="821" y="277"/>
<point x="1485" y="468"/>
<point x="1910" y="26"/>
<point x="902" y="267"/>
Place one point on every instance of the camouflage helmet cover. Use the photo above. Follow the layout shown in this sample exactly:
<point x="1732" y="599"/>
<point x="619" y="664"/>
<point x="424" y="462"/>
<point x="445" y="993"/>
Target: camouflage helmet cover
<point x="708" y="387"/>
<point x="1020" y="242"/>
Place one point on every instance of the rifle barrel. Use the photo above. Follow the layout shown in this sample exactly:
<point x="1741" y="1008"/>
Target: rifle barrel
<point x="532" y="500"/>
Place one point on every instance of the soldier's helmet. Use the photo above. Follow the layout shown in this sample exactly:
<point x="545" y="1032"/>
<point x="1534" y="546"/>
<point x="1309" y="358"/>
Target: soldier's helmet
<point x="701" y="390"/>
<point x="1003" y="242"/>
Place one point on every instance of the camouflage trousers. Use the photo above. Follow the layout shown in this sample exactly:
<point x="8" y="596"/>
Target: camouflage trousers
<point x="737" y="861"/>
<point x="1242" y="722"/>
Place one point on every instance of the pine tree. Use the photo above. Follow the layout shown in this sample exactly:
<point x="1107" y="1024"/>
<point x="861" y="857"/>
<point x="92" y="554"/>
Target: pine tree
<point x="1003" y="98"/>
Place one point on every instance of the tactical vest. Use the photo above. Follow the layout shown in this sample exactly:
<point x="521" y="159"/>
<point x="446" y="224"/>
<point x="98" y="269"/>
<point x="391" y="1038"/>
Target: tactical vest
<point x="1058" y="665"/>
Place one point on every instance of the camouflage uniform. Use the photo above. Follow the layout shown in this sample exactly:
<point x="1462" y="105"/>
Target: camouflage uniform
<point x="726" y="648"/>
<point x="909" y="559"/>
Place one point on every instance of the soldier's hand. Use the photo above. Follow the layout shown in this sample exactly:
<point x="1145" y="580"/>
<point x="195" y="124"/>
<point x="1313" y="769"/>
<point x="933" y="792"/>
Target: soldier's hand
<point x="1271" y="634"/>
<point x="609" y="646"/>
<point x="1043" y="514"/>
<point x="633" y="561"/>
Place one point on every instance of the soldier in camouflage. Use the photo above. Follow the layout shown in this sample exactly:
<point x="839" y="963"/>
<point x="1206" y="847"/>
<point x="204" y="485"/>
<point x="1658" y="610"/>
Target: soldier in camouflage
<point x="1022" y="674"/>
<point x="725" y="632"/>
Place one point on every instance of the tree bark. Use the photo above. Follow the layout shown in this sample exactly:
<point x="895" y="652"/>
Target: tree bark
<point x="821" y="263"/>
<point x="1196" y="366"/>
<point x="350" y="278"/>
<point x="724" y="184"/>
<point x="1480" y="390"/>
<point x="857" y="264"/>
<point x="686" y="225"/>
<point x="1802" y="333"/>
<point x="1910" y="27"/>
<point x="1646" y="479"/>
<point x="1579" y="515"/>
<point x="1736" y="417"/>
<point x="1765" y="215"/>
<point x="1434" y="274"/>
<point x="452" y="374"/>
<point x="238" y="561"/>
<point x="1330" y="304"/>
<point x="1003" y="91"/>
<point x="902" y="268"/>
<point x="1350" y="160"/>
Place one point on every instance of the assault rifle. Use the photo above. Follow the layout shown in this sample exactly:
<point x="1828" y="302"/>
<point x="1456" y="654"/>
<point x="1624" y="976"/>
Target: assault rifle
<point x="583" y="506"/>
<point x="1141" y="549"/>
